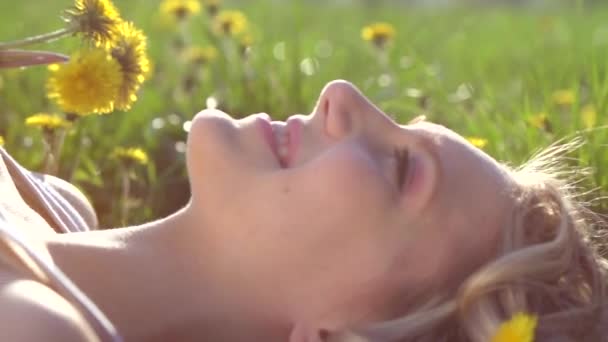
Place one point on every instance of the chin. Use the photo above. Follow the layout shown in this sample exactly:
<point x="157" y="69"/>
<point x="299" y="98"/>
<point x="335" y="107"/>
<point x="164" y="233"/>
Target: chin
<point x="208" y="145"/>
<point x="210" y="128"/>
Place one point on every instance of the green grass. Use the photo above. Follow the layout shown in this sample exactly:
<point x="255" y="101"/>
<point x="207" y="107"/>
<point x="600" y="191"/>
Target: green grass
<point x="510" y="61"/>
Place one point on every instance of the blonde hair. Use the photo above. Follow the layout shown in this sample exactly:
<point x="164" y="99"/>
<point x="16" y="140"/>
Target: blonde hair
<point x="548" y="264"/>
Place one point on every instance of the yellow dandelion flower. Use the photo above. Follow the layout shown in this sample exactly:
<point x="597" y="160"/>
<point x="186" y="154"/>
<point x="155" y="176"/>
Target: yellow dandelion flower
<point x="230" y="23"/>
<point x="589" y="116"/>
<point x="130" y="155"/>
<point x="129" y="50"/>
<point x="1" y="140"/>
<point x="541" y="121"/>
<point x="212" y="7"/>
<point x="245" y="40"/>
<point x="180" y="9"/>
<point x="564" y="97"/>
<point x="538" y="120"/>
<point x="89" y="83"/>
<point x="46" y="121"/>
<point x="245" y="43"/>
<point x="198" y="55"/>
<point x="96" y="20"/>
<point x="378" y="33"/>
<point x="520" y="328"/>
<point x="478" y="142"/>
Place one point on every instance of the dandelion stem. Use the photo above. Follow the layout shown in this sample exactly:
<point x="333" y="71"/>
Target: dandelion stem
<point x="46" y="37"/>
<point x="54" y="143"/>
<point x="47" y="164"/>
<point x="57" y="147"/>
<point x="126" y="188"/>
<point x="77" y="155"/>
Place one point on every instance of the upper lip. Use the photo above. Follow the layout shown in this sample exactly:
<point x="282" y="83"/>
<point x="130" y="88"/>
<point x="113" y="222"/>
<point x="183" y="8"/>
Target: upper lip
<point x="294" y="129"/>
<point x="268" y="135"/>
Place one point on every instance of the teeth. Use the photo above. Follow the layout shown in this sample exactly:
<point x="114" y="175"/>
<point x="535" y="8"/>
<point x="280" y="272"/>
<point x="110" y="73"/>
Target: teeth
<point x="282" y="139"/>
<point x="277" y="134"/>
<point x="282" y="150"/>
<point x="282" y="143"/>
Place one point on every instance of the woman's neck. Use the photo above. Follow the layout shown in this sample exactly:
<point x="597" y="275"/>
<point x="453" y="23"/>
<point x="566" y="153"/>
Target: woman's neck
<point x="164" y="281"/>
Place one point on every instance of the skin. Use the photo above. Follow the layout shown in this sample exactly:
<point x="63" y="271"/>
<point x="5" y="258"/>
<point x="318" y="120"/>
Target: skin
<point x="263" y="252"/>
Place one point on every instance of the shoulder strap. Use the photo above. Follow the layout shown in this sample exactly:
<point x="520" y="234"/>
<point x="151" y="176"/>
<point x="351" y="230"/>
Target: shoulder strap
<point x="50" y="275"/>
<point x="64" y="218"/>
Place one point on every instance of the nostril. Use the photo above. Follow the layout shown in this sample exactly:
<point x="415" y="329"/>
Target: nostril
<point x="337" y="104"/>
<point x="325" y="111"/>
<point x="337" y="121"/>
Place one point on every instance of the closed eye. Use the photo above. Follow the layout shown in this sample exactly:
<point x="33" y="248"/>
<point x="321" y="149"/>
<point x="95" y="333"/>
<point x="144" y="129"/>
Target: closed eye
<point x="402" y="158"/>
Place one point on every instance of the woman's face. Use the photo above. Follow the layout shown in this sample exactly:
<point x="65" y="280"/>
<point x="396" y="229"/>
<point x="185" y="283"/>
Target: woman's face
<point x="332" y="214"/>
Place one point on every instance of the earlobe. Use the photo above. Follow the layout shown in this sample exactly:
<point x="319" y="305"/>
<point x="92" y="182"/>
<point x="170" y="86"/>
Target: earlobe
<point x="306" y="333"/>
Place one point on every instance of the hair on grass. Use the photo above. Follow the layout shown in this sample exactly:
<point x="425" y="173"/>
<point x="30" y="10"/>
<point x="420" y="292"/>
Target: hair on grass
<point x="548" y="265"/>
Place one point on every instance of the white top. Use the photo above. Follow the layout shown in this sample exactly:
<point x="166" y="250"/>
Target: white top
<point x="65" y="219"/>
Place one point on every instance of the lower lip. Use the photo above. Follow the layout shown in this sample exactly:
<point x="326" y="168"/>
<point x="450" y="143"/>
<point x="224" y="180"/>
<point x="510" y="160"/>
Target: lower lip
<point x="268" y="136"/>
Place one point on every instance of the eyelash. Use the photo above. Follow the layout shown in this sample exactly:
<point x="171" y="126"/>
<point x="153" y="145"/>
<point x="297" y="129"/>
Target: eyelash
<point x="402" y="158"/>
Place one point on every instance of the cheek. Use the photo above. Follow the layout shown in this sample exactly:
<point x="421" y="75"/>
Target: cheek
<point x="346" y="237"/>
<point x="340" y="203"/>
<point x="350" y="186"/>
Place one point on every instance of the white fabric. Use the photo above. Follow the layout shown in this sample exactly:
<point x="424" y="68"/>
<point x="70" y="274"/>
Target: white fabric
<point x="64" y="216"/>
<point x="68" y="220"/>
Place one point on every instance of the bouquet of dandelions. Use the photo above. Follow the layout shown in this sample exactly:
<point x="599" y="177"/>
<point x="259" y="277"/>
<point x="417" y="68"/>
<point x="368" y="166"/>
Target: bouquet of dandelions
<point x="103" y="76"/>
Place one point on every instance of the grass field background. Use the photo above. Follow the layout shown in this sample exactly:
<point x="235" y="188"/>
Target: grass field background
<point x="519" y="78"/>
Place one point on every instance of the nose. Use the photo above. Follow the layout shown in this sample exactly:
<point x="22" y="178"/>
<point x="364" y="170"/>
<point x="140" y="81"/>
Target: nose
<point x="342" y="106"/>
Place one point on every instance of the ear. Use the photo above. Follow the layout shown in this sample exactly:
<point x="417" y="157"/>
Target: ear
<point x="542" y="220"/>
<point x="309" y="333"/>
<point x="302" y="332"/>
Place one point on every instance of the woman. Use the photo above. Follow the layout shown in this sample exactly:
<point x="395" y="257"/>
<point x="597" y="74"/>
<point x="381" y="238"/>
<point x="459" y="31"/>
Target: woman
<point x="336" y="226"/>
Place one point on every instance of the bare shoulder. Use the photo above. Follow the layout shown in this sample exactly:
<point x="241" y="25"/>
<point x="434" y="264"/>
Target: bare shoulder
<point x="31" y="311"/>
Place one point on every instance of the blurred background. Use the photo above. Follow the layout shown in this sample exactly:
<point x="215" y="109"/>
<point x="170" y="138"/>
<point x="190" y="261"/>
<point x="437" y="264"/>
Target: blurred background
<point x="513" y="76"/>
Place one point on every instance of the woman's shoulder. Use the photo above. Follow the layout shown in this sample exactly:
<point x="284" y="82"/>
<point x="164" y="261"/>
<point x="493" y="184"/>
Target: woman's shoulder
<point x="31" y="311"/>
<point x="38" y="302"/>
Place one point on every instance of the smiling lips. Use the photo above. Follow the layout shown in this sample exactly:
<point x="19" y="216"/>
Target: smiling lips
<point x="283" y="139"/>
